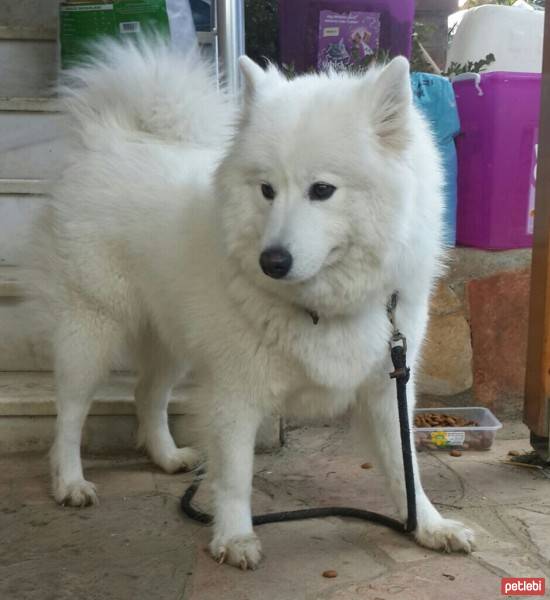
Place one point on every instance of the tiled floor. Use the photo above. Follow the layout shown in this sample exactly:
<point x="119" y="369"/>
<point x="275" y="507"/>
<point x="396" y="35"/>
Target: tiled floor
<point x="136" y="545"/>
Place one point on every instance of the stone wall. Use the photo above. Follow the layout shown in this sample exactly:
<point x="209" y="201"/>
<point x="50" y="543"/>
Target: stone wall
<point x="476" y="345"/>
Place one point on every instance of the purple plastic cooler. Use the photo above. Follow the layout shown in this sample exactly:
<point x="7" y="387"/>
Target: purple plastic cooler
<point x="380" y="25"/>
<point x="497" y="158"/>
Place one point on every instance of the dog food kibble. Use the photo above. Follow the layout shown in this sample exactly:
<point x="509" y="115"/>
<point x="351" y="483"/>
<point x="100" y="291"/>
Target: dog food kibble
<point x="455" y="453"/>
<point x="366" y="466"/>
<point x="330" y="574"/>
<point x="442" y="420"/>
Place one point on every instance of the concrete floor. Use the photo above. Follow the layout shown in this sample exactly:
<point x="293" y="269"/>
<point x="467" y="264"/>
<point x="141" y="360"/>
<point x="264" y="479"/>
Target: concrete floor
<point x="136" y="545"/>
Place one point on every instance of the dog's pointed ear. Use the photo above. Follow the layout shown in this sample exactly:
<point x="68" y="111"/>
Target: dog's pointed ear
<point x="392" y="102"/>
<point x="253" y="75"/>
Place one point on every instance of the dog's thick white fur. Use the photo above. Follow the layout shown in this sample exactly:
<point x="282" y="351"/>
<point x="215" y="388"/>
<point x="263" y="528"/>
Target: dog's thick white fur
<point x="153" y="240"/>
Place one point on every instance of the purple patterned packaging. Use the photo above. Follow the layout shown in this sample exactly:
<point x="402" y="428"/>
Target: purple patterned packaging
<point x="347" y="39"/>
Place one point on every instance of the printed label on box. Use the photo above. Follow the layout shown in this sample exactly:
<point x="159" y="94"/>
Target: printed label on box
<point x="532" y="191"/>
<point x="84" y="23"/>
<point x="347" y="39"/>
<point x="129" y="27"/>
<point x="86" y="8"/>
<point x="448" y="438"/>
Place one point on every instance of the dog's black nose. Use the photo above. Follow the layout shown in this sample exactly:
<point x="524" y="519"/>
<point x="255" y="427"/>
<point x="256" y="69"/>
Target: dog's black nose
<point x="276" y="262"/>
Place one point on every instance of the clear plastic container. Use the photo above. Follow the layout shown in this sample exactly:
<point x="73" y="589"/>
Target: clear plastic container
<point x="478" y="437"/>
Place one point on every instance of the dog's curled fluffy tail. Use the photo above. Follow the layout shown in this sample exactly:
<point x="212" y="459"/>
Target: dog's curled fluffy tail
<point x="145" y="89"/>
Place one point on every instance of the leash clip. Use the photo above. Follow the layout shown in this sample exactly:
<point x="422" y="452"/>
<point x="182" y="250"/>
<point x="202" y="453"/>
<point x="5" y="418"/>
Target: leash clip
<point x="397" y="338"/>
<point x="397" y="343"/>
<point x="398" y="353"/>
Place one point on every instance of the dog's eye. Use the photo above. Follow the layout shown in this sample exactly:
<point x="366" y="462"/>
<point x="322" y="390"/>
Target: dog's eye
<point x="268" y="191"/>
<point x="321" y="191"/>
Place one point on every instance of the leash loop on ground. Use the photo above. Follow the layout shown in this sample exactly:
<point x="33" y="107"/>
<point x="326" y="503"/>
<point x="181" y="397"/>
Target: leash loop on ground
<point x="401" y="374"/>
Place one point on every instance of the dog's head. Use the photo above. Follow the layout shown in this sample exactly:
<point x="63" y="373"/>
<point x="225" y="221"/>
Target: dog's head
<point x="315" y="186"/>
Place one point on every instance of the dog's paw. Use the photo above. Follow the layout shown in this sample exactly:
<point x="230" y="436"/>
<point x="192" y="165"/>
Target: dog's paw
<point x="181" y="459"/>
<point x="243" y="551"/>
<point x="447" y="535"/>
<point x="77" y="493"/>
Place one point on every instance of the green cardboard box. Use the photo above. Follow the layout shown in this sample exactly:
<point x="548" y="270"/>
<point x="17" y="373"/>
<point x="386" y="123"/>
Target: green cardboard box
<point x="82" y="22"/>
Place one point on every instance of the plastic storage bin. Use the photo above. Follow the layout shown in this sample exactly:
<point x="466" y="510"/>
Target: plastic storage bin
<point x="513" y="34"/>
<point x="480" y="437"/>
<point x="435" y="98"/>
<point x="316" y="33"/>
<point x="497" y="157"/>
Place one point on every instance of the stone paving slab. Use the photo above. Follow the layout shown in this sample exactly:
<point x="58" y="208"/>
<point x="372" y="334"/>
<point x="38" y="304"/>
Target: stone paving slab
<point x="128" y="548"/>
<point x="297" y="558"/>
<point x="136" y="545"/>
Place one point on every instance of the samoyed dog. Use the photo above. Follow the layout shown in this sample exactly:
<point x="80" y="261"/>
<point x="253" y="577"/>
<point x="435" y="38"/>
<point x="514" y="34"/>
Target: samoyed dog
<point x="254" y="246"/>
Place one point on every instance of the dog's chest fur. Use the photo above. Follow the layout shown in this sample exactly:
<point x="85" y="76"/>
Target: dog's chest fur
<point x="337" y="352"/>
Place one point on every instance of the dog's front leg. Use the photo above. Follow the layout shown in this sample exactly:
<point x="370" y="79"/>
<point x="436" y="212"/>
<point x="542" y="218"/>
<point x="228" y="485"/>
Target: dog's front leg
<point x="379" y="422"/>
<point x="230" y="466"/>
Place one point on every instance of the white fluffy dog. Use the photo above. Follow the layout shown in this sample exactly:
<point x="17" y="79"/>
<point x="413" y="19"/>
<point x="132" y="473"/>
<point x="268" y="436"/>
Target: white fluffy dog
<point x="211" y="241"/>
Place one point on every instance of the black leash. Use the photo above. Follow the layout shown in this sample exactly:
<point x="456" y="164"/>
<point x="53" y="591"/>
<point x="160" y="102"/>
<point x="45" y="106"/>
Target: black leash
<point x="401" y="373"/>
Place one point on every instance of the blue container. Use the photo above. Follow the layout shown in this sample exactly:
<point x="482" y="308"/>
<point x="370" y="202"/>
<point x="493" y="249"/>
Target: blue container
<point x="434" y="97"/>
